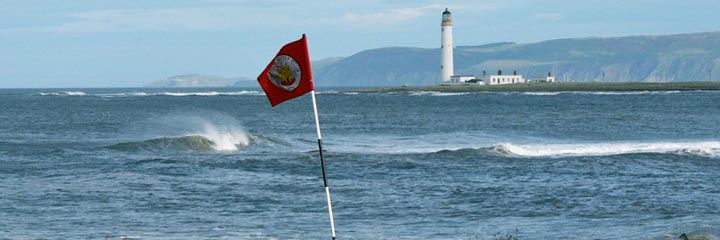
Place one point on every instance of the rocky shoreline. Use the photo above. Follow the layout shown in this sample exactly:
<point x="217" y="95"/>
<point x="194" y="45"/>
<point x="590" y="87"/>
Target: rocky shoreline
<point x="559" y="87"/>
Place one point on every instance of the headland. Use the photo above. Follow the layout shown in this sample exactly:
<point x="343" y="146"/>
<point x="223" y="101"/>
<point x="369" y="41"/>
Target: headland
<point x="560" y="87"/>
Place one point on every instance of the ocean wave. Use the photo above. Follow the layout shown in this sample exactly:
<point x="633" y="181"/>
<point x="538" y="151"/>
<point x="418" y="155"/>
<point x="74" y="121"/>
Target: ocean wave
<point x="334" y="92"/>
<point x="213" y="93"/>
<point x="195" y="134"/>
<point x="542" y="93"/>
<point x="601" y="93"/>
<point x="626" y="92"/>
<point x="195" y="143"/>
<point x="219" y="142"/>
<point x="63" y="93"/>
<point x="709" y="149"/>
<point x="128" y="94"/>
<point x="594" y="93"/>
<point x="143" y="94"/>
<point x="185" y="143"/>
<point x="436" y="94"/>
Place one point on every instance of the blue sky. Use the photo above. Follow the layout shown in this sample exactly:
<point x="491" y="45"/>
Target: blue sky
<point x="128" y="43"/>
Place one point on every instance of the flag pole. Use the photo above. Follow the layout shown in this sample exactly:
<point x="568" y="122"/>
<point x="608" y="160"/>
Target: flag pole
<point x="322" y="163"/>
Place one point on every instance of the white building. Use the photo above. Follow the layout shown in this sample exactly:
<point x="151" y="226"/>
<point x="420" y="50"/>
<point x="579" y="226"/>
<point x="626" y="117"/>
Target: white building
<point x="504" y="79"/>
<point x="447" y="68"/>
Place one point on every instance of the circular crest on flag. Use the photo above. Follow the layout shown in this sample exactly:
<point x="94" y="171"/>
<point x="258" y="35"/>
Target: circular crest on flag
<point x="285" y="73"/>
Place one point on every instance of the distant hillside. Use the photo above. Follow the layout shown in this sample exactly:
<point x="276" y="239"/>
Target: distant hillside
<point x="682" y="57"/>
<point x="246" y="83"/>
<point x="197" y="80"/>
<point x="192" y="80"/>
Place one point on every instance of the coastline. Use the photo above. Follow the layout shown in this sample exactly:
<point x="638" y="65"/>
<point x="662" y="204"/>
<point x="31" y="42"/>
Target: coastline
<point x="559" y="87"/>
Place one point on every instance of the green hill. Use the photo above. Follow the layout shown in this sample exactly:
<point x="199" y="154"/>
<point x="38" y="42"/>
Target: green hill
<point x="666" y="58"/>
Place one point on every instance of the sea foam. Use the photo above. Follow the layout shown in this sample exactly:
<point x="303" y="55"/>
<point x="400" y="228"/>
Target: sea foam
<point x="211" y="93"/>
<point x="225" y="138"/>
<point x="542" y="93"/>
<point x="437" y="94"/>
<point x="63" y="93"/>
<point x="705" y="149"/>
<point x="203" y="132"/>
<point x="144" y="94"/>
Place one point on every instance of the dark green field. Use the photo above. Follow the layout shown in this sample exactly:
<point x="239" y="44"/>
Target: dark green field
<point x="559" y="87"/>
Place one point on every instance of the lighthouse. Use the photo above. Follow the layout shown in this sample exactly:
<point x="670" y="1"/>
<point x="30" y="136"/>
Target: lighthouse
<point x="446" y="49"/>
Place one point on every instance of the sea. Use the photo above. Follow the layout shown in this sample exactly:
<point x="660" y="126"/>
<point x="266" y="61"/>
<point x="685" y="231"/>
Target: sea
<point x="222" y="163"/>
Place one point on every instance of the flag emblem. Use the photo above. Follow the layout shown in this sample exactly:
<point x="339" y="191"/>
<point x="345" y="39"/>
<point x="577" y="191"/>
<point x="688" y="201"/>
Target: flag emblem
<point x="289" y="73"/>
<point x="285" y="73"/>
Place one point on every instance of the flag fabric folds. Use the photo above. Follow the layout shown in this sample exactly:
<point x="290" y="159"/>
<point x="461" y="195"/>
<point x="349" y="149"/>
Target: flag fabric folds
<point x="289" y="74"/>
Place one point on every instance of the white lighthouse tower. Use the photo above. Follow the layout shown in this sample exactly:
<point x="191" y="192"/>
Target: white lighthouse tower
<point x="447" y="68"/>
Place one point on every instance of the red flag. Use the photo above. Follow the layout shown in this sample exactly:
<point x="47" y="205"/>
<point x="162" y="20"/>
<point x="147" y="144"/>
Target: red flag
<point x="288" y="75"/>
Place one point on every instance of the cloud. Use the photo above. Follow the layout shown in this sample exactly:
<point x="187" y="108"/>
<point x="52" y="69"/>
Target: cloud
<point x="234" y="15"/>
<point x="179" y="19"/>
<point x="405" y="15"/>
<point x="400" y="15"/>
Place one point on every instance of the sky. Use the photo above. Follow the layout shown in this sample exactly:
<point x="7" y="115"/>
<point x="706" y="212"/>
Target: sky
<point x="129" y="43"/>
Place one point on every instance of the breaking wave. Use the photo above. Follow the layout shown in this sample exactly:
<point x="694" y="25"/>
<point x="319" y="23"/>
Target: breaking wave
<point x="710" y="149"/>
<point x="628" y="92"/>
<point x="143" y="94"/>
<point x="542" y="93"/>
<point x="436" y="94"/>
<point x="186" y="143"/>
<point x="210" y="132"/>
<point x="200" y="143"/>
<point x="599" y="93"/>
<point x="212" y="93"/>
<point x="63" y="93"/>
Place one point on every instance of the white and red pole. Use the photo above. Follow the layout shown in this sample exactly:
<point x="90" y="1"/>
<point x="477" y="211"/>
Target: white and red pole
<point x="322" y="163"/>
